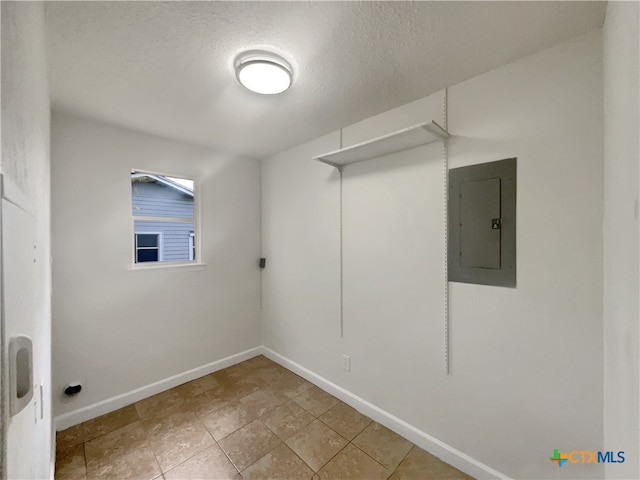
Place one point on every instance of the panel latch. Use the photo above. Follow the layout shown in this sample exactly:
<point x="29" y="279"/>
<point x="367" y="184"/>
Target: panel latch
<point x="496" y="223"/>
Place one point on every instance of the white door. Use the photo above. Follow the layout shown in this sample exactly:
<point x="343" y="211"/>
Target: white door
<point x="28" y="433"/>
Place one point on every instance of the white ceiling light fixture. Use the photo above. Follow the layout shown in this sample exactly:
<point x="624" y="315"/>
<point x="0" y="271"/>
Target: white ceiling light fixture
<point x="263" y="72"/>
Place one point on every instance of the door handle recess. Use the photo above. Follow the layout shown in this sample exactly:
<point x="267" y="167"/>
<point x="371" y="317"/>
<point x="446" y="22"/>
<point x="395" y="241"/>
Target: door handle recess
<point x="20" y="372"/>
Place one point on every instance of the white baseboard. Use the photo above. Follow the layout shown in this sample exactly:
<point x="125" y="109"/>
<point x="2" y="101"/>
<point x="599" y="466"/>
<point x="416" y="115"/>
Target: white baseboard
<point x="103" y="407"/>
<point x="445" y="452"/>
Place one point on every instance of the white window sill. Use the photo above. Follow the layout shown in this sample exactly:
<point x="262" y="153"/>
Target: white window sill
<point x="167" y="266"/>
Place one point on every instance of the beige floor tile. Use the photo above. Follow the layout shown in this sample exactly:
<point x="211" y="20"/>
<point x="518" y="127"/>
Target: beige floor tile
<point x="162" y="403"/>
<point x="279" y="464"/>
<point x="206" y="382"/>
<point x="345" y="420"/>
<point x="287" y="419"/>
<point x="121" y="454"/>
<point x="211" y="400"/>
<point x="272" y="373"/>
<point x="263" y="370"/>
<point x="229" y="418"/>
<point x="383" y="445"/>
<point x="316" y="444"/>
<point x="189" y="389"/>
<point x="421" y="464"/>
<point x="70" y="465"/>
<point x="315" y="401"/>
<point x="353" y="464"/>
<point x="292" y="385"/>
<point x="243" y="389"/>
<point x="70" y="438"/>
<point x="235" y="373"/>
<point x="264" y="400"/>
<point x="258" y="362"/>
<point x="176" y="437"/>
<point x="108" y="423"/>
<point x="248" y="444"/>
<point x="237" y="384"/>
<point x="210" y="464"/>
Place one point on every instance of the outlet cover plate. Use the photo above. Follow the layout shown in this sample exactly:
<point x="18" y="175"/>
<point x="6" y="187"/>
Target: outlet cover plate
<point x="346" y="363"/>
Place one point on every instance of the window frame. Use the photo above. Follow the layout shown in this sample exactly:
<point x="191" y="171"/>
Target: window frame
<point x="197" y="260"/>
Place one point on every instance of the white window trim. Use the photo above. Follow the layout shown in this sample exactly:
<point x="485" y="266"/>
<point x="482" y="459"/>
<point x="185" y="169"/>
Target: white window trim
<point x="189" y="264"/>
<point x="165" y="219"/>
<point x="160" y="246"/>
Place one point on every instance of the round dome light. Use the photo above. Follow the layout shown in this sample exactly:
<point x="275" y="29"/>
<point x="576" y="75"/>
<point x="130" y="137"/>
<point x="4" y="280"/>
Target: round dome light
<point x="265" y="74"/>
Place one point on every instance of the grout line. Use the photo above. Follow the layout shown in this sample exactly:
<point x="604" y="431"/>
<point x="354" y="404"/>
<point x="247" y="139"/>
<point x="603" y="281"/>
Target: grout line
<point x="198" y="452"/>
<point x="238" y="400"/>
<point x="84" y="455"/>
<point x="173" y="428"/>
<point x="296" y="454"/>
<point x="413" y="445"/>
<point x="407" y="454"/>
<point x="371" y="457"/>
<point x="359" y="432"/>
<point x="328" y="461"/>
<point x="336" y="454"/>
<point x="225" y="454"/>
<point x="280" y="442"/>
<point x="146" y="439"/>
<point x="229" y="458"/>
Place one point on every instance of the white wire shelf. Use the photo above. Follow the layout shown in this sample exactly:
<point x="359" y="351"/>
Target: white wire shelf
<point x="404" y="139"/>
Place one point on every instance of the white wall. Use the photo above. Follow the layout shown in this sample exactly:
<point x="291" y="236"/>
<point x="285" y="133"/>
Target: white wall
<point x="25" y="266"/>
<point x="621" y="36"/>
<point x="527" y="362"/>
<point x="115" y="329"/>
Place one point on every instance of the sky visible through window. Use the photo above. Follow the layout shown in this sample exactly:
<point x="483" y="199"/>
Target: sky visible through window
<point x="182" y="181"/>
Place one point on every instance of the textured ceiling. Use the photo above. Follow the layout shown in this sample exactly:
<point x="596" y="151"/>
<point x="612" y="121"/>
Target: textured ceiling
<point x="167" y="67"/>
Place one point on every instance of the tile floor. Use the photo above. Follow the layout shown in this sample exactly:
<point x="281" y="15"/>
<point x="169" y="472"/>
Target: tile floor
<point x="255" y="420"/>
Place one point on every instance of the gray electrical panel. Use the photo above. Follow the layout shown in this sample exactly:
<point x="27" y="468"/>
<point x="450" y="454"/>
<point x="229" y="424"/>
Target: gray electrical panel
<point x="482" y="224"/>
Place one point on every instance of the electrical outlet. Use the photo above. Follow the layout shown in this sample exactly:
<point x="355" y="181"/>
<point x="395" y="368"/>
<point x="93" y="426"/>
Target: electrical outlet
<point x="346" y="363"/>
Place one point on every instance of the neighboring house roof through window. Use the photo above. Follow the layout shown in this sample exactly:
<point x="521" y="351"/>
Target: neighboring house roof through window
<point x="166" y="181"/>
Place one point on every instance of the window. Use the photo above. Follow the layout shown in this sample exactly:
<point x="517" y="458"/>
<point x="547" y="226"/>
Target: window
<point x="192" y="246"/>
<point x="164" y="218"/>
<point x="147" y="247"/>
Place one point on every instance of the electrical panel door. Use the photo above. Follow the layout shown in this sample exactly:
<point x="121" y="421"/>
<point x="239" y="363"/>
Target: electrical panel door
<point x="482" y="208"/>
